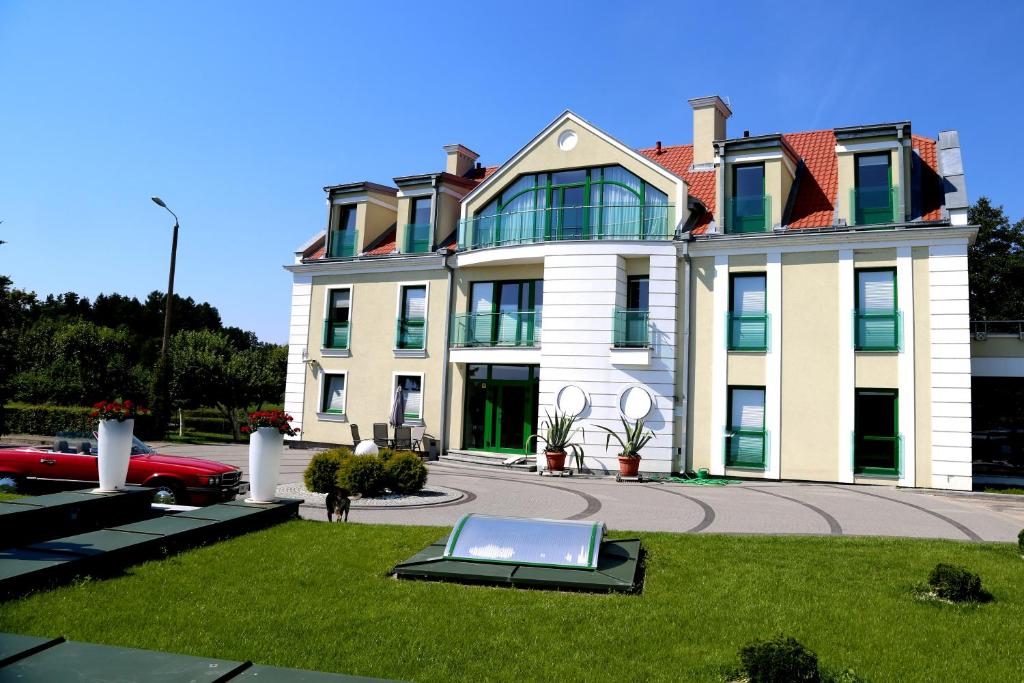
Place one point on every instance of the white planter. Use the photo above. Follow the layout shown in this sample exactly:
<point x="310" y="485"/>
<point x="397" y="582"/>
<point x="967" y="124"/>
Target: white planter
<point x="115" y="451"/>
<point x="265" y="447"/>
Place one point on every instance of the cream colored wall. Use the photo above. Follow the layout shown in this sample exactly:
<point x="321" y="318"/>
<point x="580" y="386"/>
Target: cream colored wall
<point x="590" y="150"/>
<point x="847" y="175"/>
<point x="370" y="367"/>
<point x="374" y="219"/>
<point x="448" y="211"/>
<point x="698" y="422"/>
<point x="456" y="411"/>
<point x="401" y="220"/>
<point x="638" y="266"/>
<point x="708" y="126"/>
<point x="810" y="358"/>
<point x="922" y="369"/>
<point x="997" y="347"/>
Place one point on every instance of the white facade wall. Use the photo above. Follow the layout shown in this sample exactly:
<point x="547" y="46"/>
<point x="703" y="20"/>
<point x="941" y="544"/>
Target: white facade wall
<point x="298" y="337"/>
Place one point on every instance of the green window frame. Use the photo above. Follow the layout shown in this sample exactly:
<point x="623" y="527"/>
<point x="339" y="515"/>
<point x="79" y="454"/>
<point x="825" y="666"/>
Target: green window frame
<point x="501" y="313"/>
<point x="418" y="229"/>
<point x="748" y="322"/>
<point x="746" y="440"/>
<point x="410" y="330"/>
<point x="748" y="212"/>
<point x="872" y="204"/>
<point x="335" y="393"/>
<point x="343" y="237"/>
<point x="631" y="326"/>
<point x="412" y="389"/>
<point x="877" y="323"/>
<point x="337" y="325"/>
<point x="877" y="443"/>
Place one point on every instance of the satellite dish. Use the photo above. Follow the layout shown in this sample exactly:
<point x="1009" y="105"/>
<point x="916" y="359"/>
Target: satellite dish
<point x="635" y="403"/>
<point x="571" y="400"/>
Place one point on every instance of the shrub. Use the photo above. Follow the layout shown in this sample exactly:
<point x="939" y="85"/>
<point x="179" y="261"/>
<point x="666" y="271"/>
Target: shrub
<point x="779" y="660"/>
<point x="321" y="474"/>
<point x="362" y="474"/>
<point x="1020" y="541"/>
<point x="956" y="583"/>
<point x="47" y="420"/>
<point x="385" y="454"/>
<point x="405" y="472"/>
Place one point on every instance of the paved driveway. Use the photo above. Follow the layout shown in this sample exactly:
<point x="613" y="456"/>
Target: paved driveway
<point x="750" y="507"/>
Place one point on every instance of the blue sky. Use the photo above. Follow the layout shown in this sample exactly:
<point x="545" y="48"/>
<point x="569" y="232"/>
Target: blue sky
<point x="238" y="113"/>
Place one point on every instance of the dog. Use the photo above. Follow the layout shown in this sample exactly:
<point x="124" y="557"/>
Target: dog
<point x="338" y="504"/>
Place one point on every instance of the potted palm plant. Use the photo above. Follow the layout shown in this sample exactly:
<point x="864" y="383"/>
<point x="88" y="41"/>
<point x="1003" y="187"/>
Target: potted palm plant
<point x="631" y="442"/>
<point x="558" y="436"/>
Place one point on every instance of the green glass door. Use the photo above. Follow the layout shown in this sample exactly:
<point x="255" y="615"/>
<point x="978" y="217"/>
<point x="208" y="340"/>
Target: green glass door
<point x="500" y="414"/>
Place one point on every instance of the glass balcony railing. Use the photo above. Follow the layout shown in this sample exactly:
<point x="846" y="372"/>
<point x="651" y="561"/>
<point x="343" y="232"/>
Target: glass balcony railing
<point x="874" y="205"/>
<point x="335" y="335"/>
<point x="748" y="332"/>
<point x="877" y="330"/>
<point x="635" y="222"/>
<point x="748" y="214"/>
<point x="631" y="329"/>
<point x="878" y="455"/>
<point x="505" y="328"/>
<point x="417" y="238"/>
<point x="746" y="448"/>
<point x="343" y="243"/>
<point x="410" y="333"/>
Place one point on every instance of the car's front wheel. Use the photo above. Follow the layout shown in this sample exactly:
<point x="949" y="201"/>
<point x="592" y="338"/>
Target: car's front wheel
<point x="169" y="492"/>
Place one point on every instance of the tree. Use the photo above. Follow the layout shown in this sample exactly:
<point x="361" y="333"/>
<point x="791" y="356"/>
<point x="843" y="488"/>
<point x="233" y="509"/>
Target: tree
<point x="996" y="264"/>
<point x="15" y="309"/>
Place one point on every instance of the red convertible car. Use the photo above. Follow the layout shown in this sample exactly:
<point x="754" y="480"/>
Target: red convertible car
<point x="178" y="480"/>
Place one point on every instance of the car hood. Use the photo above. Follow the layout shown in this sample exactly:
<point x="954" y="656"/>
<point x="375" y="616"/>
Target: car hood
<point x="197" y="464"/>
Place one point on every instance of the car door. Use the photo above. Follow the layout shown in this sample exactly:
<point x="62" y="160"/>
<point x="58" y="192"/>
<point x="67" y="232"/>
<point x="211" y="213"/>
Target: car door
<point x="66" y="465"/>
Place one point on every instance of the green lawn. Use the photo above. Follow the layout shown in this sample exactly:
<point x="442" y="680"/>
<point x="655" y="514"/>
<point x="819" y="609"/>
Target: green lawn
<point x="316" y="596"/>
<point x="6" y="495"/>
<point x="1011" y="490"/>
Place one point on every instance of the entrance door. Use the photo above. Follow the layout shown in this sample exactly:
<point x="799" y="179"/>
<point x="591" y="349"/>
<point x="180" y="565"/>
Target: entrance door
<point x="500" y="414"/>
<point x="511" y="428"/>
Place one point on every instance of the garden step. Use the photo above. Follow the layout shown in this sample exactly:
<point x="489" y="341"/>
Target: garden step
<point x="489" y="460"/>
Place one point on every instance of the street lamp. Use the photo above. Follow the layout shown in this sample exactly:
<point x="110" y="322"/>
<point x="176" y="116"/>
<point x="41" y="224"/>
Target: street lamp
<point x="162" y="384"/>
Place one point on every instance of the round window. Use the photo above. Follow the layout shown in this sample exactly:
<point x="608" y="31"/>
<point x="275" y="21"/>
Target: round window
<point x="571" y="400"/>
<point x="635" y="403"/>
<point x="567" y="140"/>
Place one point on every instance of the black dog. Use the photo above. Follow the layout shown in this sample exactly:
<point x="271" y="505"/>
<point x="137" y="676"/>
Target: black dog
<point x="338" y="504"/>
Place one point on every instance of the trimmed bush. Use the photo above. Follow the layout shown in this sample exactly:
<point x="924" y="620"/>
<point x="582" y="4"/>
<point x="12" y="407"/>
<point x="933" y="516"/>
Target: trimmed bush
<point x="321" y="475"/>
<point x="955" y="583"/>
<point x="385" y="454"/>
<point x="362" y="474"/>
<point x="779" y="660"/>
<point x="405" y="472"/>
<point x="43" y="420"/>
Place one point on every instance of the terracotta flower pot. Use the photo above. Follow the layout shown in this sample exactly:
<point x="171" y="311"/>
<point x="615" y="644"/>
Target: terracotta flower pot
<point x="556" y="460"/>
<point x="629" y="467"/>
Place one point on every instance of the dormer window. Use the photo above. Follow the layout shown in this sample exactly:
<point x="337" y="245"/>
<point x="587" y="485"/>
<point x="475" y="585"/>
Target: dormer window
<point x="342" y="242"/>
<point x="417" y="231"/>
<point x="749" y="207"/>
<point x="874" y="198"/>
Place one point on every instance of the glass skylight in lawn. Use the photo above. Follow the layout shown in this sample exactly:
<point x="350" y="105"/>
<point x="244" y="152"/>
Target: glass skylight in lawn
<point x="513" y="540"/>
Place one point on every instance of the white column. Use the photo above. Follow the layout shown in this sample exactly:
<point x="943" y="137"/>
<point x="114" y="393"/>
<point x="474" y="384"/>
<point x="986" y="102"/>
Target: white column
<point x="298" y="340"/>
<point x="907" y="389"/>
<point x="719" y="364"/>
<point x="847" y="365"/>
<point x="773" y="367"/>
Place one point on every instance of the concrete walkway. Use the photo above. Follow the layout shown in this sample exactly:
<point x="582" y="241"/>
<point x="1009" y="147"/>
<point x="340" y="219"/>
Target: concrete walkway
<point x="749" y="507"/>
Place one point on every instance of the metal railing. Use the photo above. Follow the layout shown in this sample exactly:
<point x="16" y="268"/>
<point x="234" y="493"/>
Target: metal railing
<point x="342" y="243"/>
<point x="618" y="222"/>
<point x="746" y="448"/>
<point x="877" y="330"/>
<point x="417" y="238"/>
<point x="409" y="333"/>
<point x="631" y="329"/>
<point x="748" y="214"/>
<point x="335" y="335"/>
<point x="983" y="329"/>
<point x="748" y="332"/>
<point x="874" y="205"/>
<point x="878" y="455"/>
<point x="504" y="328"/>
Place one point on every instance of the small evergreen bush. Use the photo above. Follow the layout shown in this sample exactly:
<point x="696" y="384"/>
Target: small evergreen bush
<point x="955" y="583"/>
<point x="406" y="473"/>
<point x="362" y="474"/>
<point x="385" y="454"/>
<point x="780" y="660"/>
<point x="321" y="474"/>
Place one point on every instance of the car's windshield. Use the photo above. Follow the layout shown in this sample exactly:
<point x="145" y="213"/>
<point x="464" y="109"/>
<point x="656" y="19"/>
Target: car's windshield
<point x="87" y="444"/>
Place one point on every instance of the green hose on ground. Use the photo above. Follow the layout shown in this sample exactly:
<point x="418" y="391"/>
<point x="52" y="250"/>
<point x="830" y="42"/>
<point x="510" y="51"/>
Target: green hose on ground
<point x="694" y="480"/>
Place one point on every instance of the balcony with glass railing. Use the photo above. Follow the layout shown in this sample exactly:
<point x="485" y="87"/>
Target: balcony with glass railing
<point x="877" y="330"/>
<point x="417" y="238"/>
<point x="874" y="205"/>
<point x="748" y="214"/>
<point x="635" y="222"/>
<point x="410" y="333"/>
<point x="335" y="335"/>
<point x="748" y="332"/>
<point x="343" y="244"/>
<point x="501" y="329"/>
<point x="631" y="329"/>
<point x="745" y="448"/>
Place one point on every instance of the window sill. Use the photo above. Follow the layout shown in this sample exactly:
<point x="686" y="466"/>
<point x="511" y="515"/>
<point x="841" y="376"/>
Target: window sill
<point x="630" y="355"/>
<point x="410" y="353"/>
<point x="332" y="417"/>
<point x="335" y="353"/>
<point x="413" y="423"/>
<point x="742" y="466"/>
<point x="731" y="349"/>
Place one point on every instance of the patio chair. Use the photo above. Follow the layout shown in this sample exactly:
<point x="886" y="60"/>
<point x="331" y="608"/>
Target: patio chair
<point x="380" y="435"/>
<point x="417" y="438"/>
<point x="355" y="435"/>
<point x="403" y="438"/>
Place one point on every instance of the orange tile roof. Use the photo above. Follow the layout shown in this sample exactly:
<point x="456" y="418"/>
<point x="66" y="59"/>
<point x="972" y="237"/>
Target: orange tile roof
<point x="931" y="183"/>
<point x="385" y="244"/>
<point x="678" y="160"/>
<point x="816" y="195"/>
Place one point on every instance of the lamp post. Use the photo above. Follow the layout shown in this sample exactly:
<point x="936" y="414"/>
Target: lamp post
<point x="161" y="381"/>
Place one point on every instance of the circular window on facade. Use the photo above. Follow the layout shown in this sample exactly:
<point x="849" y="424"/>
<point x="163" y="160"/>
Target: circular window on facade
<point x="567" y="140"/>
<point x="635" y="403"/>
<point x="571" y="400"/>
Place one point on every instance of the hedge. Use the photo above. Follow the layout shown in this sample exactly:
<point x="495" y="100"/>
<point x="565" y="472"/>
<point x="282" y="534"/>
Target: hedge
<point x="48" y="420"/>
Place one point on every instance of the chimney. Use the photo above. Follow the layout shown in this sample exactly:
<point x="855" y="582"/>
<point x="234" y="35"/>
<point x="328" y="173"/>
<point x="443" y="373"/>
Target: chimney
<point x="709" y="115"/>
<point x="460" y="159"/>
